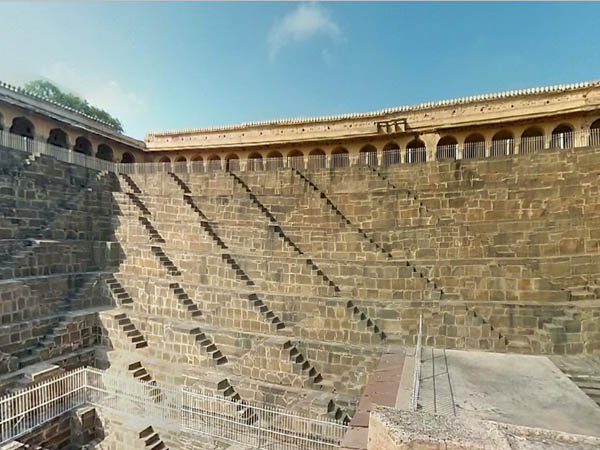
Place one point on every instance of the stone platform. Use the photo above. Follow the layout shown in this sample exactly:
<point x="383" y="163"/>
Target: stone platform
<point x="515" y="389"/>
<point x="394" y="429"/>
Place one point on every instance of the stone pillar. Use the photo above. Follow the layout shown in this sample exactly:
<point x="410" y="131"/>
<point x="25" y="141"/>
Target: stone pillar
<point x="430" y="140"/>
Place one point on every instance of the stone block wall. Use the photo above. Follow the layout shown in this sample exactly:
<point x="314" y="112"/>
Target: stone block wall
<point x="55" y="233"/>
<point x="503" y="283"/>
<point x="286" y="287"/>
<point x="55" y="435"/>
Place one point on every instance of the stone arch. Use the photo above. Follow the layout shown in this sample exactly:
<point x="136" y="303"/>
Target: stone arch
<point x="58" y="137"/>
<point x="503" y="143"/>
<point x="474" y="146"/>
<point x="105" y="152"/>
<point x="562" y="136"/>
<point x="181" y="159"/>
<point x="416" y="151"/>
<point x="127" y="158"/>
<point x="295" y="159"/>
<point x="164" y="159"/>
<point x="446" y="148"/>
<point x="197" y="163"/>
<point x="274" y="154"/>
<point x="532" y="140"/>
<point x="595" y="132"/>
<point x="213" y="162"/>
<point x="232" y="162"/>
<point x="255" y="161"/>
<point x="22" y="127"/>
<point x="274" y="160"/>
<point x="317" y="159"/>
<point x="368" y="155"/>
<point x="83" y="145"/>
<point x="340" y="158"/>
<point x="391" y="154"/>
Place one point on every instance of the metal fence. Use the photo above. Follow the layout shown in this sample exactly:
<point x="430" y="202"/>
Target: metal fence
<point x="390" y="156"/>
<point x="414" y="398"/>
<point x="257" y="425"/>
<point x="33" y="147"/>
<point x="176" y="408"/>
<point x="23" y="411"/>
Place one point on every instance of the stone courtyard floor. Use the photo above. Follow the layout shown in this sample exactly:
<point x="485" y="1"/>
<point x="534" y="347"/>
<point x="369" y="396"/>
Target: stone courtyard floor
<point x="516" y="389"/>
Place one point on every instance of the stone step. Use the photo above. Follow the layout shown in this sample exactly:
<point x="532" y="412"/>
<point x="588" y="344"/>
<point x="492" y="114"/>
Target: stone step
<point x="134" y="366"/>
<point x="579" y="295"/>
<point x="519" y="347"/>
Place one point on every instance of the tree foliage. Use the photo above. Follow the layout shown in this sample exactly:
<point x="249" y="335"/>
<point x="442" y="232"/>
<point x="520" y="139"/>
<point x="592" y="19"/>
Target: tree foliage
<point x="49" y="91"/>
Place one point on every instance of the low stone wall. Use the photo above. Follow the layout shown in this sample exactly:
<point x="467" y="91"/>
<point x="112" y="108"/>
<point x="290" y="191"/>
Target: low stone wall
<point x="394" y="429"/>
<point x="55" y="435"/>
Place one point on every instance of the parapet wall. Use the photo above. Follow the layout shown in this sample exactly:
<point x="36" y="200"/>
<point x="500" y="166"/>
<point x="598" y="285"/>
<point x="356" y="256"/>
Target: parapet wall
<point x="394" y="429"/>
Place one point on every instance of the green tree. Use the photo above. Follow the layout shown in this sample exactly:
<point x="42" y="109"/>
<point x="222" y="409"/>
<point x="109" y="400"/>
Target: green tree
<point x="49" y="91"/>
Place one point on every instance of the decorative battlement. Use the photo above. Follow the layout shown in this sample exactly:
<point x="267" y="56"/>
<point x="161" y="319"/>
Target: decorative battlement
<point x="382" y="112"/>
<point x="423" y="117"/>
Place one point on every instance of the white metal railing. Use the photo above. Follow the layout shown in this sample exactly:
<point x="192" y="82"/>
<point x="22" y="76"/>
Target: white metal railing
<point x="316" y="162"/>
<point x="414" y="398"/>
<point x="446" y="151"/>
<point x="391" y="157"/>
<point x="255" y="425"/>
<point x="502" y="147"/>
<point x="416" y="155"/>
<point x="177" y="408"/>
<point x="468" y="150"/>
<point x="472" y="150"/>
<point x="33" y="147"/>
<point x="562" y="140"/>
<point x="594" y="137"/>
<point x="367" y="159"/>
<point x="339" y="160"/>
<point x="273" y="163"/>
<point x="296" y="162"/>
<point x="532" y="144"/>
<point x="23" y="411"/>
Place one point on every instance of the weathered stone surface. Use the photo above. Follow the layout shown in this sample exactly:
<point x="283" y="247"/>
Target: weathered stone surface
<point x="391" y="429"/>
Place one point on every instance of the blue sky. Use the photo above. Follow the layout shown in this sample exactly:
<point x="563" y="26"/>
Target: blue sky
<point x="161" y="66"/>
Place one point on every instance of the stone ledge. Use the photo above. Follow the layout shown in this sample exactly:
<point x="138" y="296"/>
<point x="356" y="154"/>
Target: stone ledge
<point x="393" y="429"/>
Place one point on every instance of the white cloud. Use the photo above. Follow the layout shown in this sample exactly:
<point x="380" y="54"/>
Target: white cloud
<point x="109" y="95"/>
<point x="302" y="23"/>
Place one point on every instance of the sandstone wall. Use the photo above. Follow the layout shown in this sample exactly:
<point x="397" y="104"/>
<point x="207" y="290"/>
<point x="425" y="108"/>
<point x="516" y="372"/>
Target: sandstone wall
<point x="55" y="251"/>
<point x="518" y="232"/>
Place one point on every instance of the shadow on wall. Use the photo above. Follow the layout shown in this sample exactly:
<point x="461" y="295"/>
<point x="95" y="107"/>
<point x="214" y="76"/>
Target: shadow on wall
<point x="57" y="252"/>
<point x="115" y="256"/>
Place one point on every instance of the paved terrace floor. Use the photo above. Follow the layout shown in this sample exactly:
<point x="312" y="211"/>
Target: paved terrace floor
<point x="507" y="388"/>
<point x="516" y="389"/>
